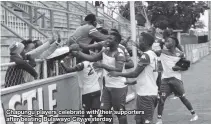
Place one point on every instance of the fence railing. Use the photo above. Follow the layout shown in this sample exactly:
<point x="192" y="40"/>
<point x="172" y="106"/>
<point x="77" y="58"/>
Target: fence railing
<point x="40" y="18"/>
<point x="44" y="68"/>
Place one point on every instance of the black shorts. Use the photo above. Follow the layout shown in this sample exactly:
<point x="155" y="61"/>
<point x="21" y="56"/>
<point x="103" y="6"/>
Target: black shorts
<point x="91" y="101"/>
<point x="147" y="104"/>
<point x="113" y="97"/>
<point x="172" y="85"/>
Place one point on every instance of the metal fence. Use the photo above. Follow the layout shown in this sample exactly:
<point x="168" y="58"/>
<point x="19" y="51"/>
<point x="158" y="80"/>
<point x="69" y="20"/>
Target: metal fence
<point x="44" y="68"/>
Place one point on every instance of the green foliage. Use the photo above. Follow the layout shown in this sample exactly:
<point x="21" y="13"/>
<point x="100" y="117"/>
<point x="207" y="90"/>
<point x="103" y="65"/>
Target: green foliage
<point x="172" y="14"/>
<point x="125" y="12"/>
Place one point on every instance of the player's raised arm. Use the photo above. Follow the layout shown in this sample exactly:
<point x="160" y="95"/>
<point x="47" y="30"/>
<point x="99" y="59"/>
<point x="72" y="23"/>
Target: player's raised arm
<point x="144" y="61"/>
<point x="119" y="64"/>
<point x="128" y="61"/>
<point x="91" y="58"/>
<point x="92" y="46"/>
<point x="94" y="33"/>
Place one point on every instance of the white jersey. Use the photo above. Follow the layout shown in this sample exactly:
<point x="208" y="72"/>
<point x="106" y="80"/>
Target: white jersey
<point x="114" y="82"/>
<point x="168" y="62"/>
<point x="88" y="78"/>
<point x="146" y="81"/>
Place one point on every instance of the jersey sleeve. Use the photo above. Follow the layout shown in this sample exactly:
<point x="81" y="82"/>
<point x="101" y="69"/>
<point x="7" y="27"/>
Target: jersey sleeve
<point x="144" y="60"/>
<point x="127" y="55"/>
<point x="120" y="56"/>
<point x="93" y="32"/>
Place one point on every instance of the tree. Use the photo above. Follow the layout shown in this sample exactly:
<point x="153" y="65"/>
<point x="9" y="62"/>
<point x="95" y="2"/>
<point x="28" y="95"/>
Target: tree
<point x="172" y="14"/>
<point x="125" y="12"/>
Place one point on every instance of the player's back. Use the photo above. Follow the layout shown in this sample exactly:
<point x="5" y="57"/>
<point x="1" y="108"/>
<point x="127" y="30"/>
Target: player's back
<point x="146" y="81"/>
<point x="82" y="34"/>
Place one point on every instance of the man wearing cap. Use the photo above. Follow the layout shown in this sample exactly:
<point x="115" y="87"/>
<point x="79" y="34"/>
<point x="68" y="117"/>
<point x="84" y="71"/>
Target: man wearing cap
<point x="85" y="33"/>
<point x="14" y="74"/>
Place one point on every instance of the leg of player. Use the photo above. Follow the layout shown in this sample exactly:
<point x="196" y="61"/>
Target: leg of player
<point x="165" y="91"/>
<point x="186" y="102"/>
<point x="119" y="101"/>
<point x="180" y="91"/>
<point x="146" y="104"/>
<point x="106" y="103"/>
<point x="87" y="104"/>
<point x="96" y="103"/>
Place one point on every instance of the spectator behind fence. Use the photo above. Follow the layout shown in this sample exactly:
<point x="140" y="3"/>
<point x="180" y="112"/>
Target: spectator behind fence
<point x="42" y="52"/>
<point x="14" y="74"/>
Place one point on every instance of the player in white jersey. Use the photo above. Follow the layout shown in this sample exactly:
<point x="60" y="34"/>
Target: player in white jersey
<point x="146" y="87"/>
<point x="115" y="91"/>
<point x="88" y="82"/>
<point x="171" y="77"/>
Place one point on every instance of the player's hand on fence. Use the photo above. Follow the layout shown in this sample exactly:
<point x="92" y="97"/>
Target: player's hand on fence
<point x="36" y="77"/>
<point x="113" y="74"/>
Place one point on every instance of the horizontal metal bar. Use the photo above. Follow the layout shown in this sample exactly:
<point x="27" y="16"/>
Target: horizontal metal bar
<point x="13" y="63"/>
<point x="57" y="10"/>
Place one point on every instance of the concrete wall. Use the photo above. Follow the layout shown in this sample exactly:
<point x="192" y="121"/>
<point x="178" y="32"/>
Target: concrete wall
<point x="195" y="52"/>
<point x="56" y="93"/>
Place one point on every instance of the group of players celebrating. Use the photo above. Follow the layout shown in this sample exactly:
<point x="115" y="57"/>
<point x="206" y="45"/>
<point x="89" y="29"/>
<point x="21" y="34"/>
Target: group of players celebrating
<point x="110" y="63"/>
<point x="102" y="70"/>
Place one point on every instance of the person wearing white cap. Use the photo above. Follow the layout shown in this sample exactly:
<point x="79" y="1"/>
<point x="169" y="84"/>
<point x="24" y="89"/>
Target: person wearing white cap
<point x="14" y="74"/>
